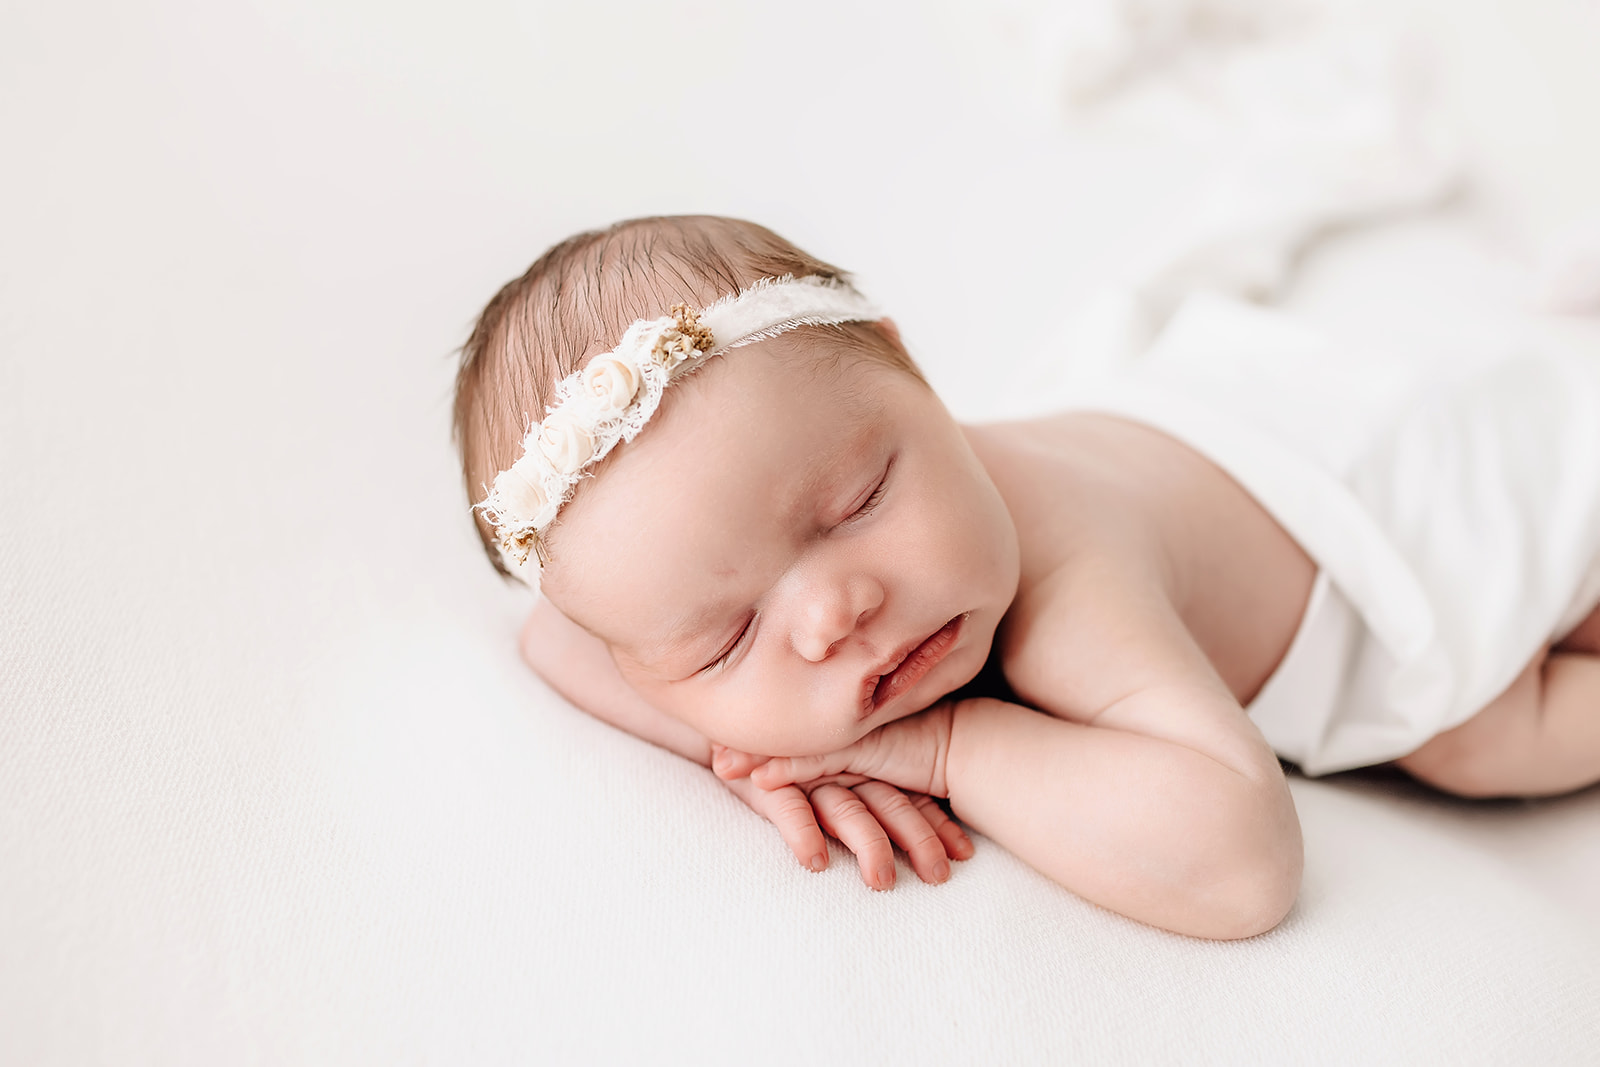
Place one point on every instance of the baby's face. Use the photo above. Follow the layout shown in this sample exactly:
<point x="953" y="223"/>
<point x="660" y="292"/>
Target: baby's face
<point x="793" y="553"/>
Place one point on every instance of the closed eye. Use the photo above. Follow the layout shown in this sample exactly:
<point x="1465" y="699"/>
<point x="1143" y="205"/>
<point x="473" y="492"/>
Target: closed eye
<point x="870" y="504"/>
<point x="725" y="656"/>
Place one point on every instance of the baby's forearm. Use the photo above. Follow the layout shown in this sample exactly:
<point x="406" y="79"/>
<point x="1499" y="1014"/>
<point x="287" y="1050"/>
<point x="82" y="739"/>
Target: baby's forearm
<point x="1143" y="826"/>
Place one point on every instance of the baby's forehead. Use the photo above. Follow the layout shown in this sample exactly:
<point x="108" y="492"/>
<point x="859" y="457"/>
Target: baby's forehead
<point x="812" y="366"/>
<point x="835" y="398"/>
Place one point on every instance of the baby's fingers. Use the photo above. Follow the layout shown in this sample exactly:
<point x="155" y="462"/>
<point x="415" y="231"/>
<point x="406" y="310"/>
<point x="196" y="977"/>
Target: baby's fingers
<point x="845" y="816"/>
<point x="790" y="811"/>
<point x="729" y="763"/>
<point x="957" y="845"/>
<point x="782" y="770"/>
<point x="908" y="827"/>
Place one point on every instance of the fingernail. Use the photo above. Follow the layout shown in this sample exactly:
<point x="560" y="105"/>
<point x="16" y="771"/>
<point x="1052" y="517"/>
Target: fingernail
<point x="941" y="870"/>
<point x="884" y="879"/>
<point x="818" y="862"/>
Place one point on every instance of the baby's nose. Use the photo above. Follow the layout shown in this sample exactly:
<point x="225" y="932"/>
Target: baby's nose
<point x="822" y="629"/>
<point x="828" y="619"/>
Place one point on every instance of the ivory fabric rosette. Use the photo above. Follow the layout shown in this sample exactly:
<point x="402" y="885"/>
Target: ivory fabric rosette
<point x="565" y="441"/>
<point x="522" y="492"/>
<point x="611" y="383"/>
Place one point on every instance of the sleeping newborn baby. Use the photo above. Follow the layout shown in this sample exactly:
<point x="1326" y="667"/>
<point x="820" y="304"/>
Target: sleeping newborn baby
<point x="762" y="542"/>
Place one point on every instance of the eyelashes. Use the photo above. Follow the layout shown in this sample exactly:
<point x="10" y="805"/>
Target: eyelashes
<point x="871" y="503"/>
<point x="724" y="657"/>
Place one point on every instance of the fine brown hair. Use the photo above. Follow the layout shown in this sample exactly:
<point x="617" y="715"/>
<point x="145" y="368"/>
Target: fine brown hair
<point x="578" y="299"/>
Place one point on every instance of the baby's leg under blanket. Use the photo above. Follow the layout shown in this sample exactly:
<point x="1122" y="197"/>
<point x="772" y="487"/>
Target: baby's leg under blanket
<point x="1540" y="737"/>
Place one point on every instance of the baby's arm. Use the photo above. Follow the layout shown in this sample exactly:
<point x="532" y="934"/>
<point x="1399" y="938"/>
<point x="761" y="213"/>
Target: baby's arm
<point x="577" y="665"/>
<point x="1143" y="788"/>
<point x="865" y="817"/>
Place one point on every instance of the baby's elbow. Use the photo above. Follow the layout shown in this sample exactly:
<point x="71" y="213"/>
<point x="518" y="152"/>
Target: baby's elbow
<point x="1260" y="900"/>
<point x="1254" y="876"/>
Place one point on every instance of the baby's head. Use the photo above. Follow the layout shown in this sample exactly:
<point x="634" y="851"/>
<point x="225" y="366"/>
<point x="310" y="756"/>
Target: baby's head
<point x="799" y="545"/>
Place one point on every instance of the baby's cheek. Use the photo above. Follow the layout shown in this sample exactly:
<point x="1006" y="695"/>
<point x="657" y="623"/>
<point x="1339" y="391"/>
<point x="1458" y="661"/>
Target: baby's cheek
<point x="951" y="522"/>
<point x="736" y="717"/>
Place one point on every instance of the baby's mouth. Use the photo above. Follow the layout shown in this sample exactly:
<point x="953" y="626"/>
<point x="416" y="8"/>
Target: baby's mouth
<point x="910" y="666"/>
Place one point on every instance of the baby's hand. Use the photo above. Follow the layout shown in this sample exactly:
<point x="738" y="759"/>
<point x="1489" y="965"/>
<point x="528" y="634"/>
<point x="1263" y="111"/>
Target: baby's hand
<point x="909" y="753"/>
<point x="864" y="814"/>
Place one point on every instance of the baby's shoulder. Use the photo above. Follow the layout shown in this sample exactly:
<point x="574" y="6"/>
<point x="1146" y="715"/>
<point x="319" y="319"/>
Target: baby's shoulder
<point x="1092" y="627"/>
<point x="1089" y="493"/>
<point x="1089" y="475"/>
<point x="1137" y="555"/>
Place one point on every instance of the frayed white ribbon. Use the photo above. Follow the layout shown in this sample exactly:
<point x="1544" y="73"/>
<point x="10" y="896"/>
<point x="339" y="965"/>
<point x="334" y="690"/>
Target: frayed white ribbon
<point x="612" y="398"/>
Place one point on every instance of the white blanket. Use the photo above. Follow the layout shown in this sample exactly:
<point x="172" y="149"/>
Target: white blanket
<point x="277" y="790"/>
<point x="1453" y="512"/>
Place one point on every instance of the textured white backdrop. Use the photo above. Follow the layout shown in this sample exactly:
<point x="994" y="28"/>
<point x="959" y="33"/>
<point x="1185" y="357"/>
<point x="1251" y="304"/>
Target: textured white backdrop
<point x="273" y="785"/>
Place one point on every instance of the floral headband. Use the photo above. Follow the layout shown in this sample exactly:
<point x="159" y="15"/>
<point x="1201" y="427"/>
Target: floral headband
<point x="612" y="398"/>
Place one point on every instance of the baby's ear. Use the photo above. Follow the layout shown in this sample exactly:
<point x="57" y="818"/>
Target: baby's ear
<point x="887" y="327"/>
